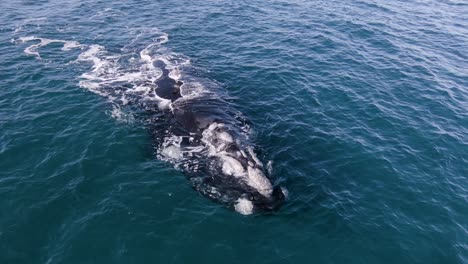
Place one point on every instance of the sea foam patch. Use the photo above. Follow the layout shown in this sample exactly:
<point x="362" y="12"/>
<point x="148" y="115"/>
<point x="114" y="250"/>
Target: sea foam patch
<point x="33" y="49"/>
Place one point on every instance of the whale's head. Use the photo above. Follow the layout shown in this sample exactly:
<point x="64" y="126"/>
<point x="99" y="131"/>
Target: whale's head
<point x="237" y="171"/>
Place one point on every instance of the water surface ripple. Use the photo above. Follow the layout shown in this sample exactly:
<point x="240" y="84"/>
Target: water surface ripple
<point x="361" y="107"/>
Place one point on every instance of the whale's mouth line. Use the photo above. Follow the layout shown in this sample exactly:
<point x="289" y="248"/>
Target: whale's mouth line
<point x="194" y="128"/>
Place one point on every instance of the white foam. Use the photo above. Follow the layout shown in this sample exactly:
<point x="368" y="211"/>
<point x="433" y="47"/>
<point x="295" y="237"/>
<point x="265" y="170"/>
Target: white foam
<point x="124" y="77"/>
<point x="172" y="152"/>
<point x="163" y="38"/>
<point x="171" y="149"/>
<point x="120" y="115"/>
<point x="33" y="49"/>
<point x="124" y="100"/>
<point x="164" y="104"/>
<point x="192" y="89"/>
<point x="108" y="76"/>
<point x="144" y="55"/>
<point x="68" y="45"/>
<point x="175" y="74"/>
<point x="269" y="167"/>
<point x="117" y="113"/>
<point x="244" y="206"/>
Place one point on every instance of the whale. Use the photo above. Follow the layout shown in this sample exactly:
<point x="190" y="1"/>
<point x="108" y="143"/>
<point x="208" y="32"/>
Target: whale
<point x="205" y="139"/>
<point x="193" y="126"/>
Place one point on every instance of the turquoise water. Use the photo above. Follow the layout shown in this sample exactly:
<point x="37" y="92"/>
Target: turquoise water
<point x="359" y="107"/>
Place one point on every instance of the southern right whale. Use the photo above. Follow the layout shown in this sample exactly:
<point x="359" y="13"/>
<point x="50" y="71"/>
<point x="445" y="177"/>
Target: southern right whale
<point x="194" y="128"/>
<point x="203" y="138"/>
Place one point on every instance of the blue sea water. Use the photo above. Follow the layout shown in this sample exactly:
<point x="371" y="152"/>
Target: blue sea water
<point x="360" y="108"/>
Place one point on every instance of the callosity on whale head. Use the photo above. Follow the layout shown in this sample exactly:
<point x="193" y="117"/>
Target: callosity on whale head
<point x="210" y="146"/>
<point x="238" y="166"/>
<point x="256" y="203"/>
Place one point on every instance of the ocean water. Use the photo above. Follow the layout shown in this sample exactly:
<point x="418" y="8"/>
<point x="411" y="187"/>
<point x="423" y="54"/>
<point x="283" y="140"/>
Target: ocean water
<point x="359" y="108"/>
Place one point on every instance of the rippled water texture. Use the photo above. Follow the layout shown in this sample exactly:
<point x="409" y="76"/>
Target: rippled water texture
<point x="361" y="107"/>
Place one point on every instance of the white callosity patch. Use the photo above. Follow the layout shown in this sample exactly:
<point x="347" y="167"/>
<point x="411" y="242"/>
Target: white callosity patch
<point x="244" y="206"/>
<point x="214" y="143"/>
<point x="225" y="137"/>
<point x="231" y="166"/>
<point x="108" y="13"/>
<point x="216" y="138"/>
<point x="259" y="181"/>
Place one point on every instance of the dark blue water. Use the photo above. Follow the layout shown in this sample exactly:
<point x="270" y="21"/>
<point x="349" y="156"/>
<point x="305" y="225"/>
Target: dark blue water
<point x="360" y="108"/>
